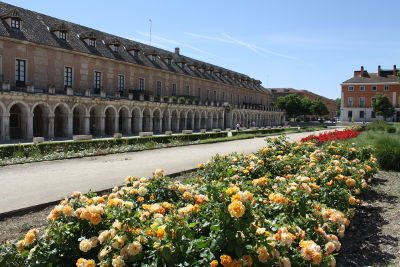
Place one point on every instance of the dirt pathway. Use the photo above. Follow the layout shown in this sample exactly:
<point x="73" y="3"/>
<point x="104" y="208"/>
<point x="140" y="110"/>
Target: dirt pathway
<point x="374" y="235"/>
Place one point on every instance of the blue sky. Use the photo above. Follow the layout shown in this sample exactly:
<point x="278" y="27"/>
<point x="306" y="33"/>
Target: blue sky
<point x="310" y="44"/>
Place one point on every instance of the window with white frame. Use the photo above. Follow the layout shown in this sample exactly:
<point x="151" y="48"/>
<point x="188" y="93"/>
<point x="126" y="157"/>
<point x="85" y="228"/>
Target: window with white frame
<point x="386" y="88"/>
<point x="351" y="88"/>
<point x="159" y="85"/>
<point x="68" y="77"/>
<point x="350" y="101"/>
<point x="141" y="84"/>
<point x="20" y="72"/>
<point x="199" y="92"/>
<point x="374" y="88"/>
<point x="92" y="42"/>
<point x="362" y="102"/>
<point x="62" y="35"/>
<point x="121" y="83"/>
<point x="15" y="23"/>
<point x="362" y="88"/>
<point x="215" y="95"/>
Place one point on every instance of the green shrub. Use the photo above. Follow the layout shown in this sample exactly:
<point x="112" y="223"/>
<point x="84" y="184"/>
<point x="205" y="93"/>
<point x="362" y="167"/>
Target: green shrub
<point x="377" y="126"/>
<point x="387" y="151"/>
<point x="391" y="129"/>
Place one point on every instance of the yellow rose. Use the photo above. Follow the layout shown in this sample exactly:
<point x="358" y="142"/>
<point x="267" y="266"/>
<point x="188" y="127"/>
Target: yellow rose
<point x="236" y="209"/>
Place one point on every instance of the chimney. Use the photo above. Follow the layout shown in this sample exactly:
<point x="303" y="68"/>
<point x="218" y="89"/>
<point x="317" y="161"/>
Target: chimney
<point x="177" y="51"/>
<point x="379" y="70"/>
<point x="394" y="70"/>
<point x="362" y="71"/>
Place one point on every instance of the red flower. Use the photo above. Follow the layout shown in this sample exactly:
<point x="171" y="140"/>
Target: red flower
<point x="331" y="136"/>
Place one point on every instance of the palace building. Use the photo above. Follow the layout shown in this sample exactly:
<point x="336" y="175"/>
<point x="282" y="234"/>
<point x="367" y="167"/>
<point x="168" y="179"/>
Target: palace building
<point x="59" y="79"/>
<point x="359" y="91"/>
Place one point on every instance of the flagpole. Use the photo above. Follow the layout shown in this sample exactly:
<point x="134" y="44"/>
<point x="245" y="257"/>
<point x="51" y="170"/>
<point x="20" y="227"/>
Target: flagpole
<point x="151" y="24"/>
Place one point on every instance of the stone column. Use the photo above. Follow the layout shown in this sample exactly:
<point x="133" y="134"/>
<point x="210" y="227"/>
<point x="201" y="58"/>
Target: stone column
<point x="193" y="127"/>
<point x="5" y="127"/>
<point x="178" y="122"/>
<point x="160" y="124"/>
<point x="168" y="126"/>
<point x="116" y="125"/>
<point x="50" y="127"/>
<point x="150" y="124"/>
<point x="86" y="124"/>
<point x="70" y="125"/>
<point x="29" y="127"/>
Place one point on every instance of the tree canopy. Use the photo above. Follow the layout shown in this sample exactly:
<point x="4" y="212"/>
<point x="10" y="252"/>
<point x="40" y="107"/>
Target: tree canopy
<point x="297" y="105"/>
<point x="382" y="106"/>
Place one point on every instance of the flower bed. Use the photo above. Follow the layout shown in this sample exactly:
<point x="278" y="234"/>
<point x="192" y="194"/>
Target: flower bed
<point x="332" y="136"/>
<point x="288" y="204"/>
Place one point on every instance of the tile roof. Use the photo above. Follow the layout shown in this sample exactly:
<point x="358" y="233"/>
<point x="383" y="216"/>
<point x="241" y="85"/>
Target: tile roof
<point x="39" y="28"/>
<point x="374" y="78"/>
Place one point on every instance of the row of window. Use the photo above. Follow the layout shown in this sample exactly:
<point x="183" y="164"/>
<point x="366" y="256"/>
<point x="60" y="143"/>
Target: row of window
<point x="20" y="77"/>
<point x="361" y="114"/>
<point x="362" y="88"/>
<point x="361" y="102"/>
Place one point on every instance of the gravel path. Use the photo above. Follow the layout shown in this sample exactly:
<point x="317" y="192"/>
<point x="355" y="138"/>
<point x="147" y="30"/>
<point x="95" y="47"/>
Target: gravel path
<point x="41" y="182"/>
<point x="374" y="235"/>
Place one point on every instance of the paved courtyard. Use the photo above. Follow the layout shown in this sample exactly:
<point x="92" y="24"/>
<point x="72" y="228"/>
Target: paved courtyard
<point x="36" y="183"/>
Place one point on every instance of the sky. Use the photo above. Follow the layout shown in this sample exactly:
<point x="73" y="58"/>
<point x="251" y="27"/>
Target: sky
<point x="310" y="44"/>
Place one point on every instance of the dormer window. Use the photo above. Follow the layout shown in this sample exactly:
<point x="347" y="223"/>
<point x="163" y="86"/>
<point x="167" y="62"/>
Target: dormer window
<point x="92" y="42"/>
<point x="62" y="35"/>
<point x="113" y="44"/>
<point x="15" y="23"/>
<point x="153" y="58"/>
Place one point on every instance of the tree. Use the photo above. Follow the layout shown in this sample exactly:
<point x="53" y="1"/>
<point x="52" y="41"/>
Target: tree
<point x="338" y="105"/>
<point x="382" y="106"/>
<point x="318" y="108"/>
<point x="292" y="104"/>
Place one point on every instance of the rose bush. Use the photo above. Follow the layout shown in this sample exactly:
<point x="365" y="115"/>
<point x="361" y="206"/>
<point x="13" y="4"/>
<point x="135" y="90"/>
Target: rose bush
<point x="332" y="136"/>
<point x="286" y="205"/>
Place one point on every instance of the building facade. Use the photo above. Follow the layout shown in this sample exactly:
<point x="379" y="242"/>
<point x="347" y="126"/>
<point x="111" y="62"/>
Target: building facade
<point x="359" y="91"/>
<point x="59" y="79"/>
<point x="330" y="103"/>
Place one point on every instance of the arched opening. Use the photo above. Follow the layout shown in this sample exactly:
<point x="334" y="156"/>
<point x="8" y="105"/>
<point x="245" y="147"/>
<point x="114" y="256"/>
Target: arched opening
<point x="221" y="121"/>
<point x="109" y="121"/>
<point x="147" y="120"/>
<point x="182" y="122"/>
<point x="157" y="122"/>
<point x="215" y="120"/>
<point x="203" y="121"/>
<point x="78" y="123"/>
<point x="209" y="121"/>
<point x="136" y="121"/>
<point x="175" y="121"/>
<point x="40" y="121"/>
<point x="197" y="121"/>
<point x="95" y="121"/>
<point x="61" y="122"/>
<point x="234" y="120"/>
<point x="123" y="121"/>
<point x="18" y="122"/>
<point x="189" y="120"/>
<point x="165" y="121"/>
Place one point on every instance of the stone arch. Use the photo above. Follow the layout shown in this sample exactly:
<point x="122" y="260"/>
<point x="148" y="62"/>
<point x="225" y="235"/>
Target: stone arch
<point x="189" y="120"/>
<point x="147" y="120"/>
<point x="175" y="121"/>
<point x="110" y="120"/>
<point x="40" y="119"/>
<point x="157" y="121"/>
<point x="124" y="123"/>
<point x="96" y="120"/>
<point x="182" y="120"/>
<point x="61" y="118"/>
<point x="136" y="120"/>
<point x="19" y="116"/>
<point x="197" y="120"/>
<point x="203" y="120"/>
<point x="209" y="120"/>
<point x="166" y="121"/>
<point x="2" y="123"/>
<point x="79" y="115"/>
<point x="215" y="120"/>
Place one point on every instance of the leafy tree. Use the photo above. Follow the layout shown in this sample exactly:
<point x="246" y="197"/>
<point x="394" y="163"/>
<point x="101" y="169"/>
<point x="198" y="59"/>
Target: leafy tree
<point x="292" y="104"/>
<point x="319" y="108"/>
<point x="338" y="105"/>
<point x="382" y="106"/>
<point x="306" y="105"/>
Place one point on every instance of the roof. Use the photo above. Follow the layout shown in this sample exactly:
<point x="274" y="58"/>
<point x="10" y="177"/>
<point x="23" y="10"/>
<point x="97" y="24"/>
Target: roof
<point x="39" y="29"/>
<point x="374" y="78"/>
